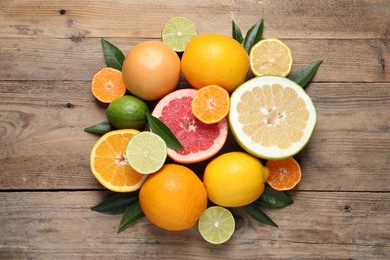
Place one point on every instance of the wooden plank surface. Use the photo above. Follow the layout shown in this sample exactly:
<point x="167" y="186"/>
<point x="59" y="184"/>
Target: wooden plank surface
<point x="64" y="59"/>
<point x="352" y="136"/>
<point x="138" y="19"/>
<point x="44" y="225"/>
<point x="49" y="51"/>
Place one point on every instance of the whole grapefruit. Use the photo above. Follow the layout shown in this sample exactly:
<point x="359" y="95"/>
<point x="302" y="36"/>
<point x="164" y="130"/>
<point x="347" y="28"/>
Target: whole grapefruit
<point x="151" y="70"/>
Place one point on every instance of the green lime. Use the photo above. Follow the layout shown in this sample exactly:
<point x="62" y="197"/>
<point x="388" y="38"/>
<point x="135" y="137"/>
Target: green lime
<point x="216" y="225"/>
<point x="146" y="152"/>
<point x="177" y="32"/>
<point x="127" y="112"/>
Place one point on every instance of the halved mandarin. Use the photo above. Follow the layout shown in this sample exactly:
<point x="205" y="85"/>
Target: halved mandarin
<point x="284" y="174"/>
<point x="211" y="104"/>
<point x="107" y="84"/>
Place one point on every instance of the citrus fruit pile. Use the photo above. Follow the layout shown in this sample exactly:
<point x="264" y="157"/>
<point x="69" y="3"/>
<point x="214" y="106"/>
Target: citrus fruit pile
<point x="151" y="119"/>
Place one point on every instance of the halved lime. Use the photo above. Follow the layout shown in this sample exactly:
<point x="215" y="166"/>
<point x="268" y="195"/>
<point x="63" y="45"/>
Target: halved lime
<point x="216" y="225"/>
<point x="177" y="32"/>
<point x="146" y="152"/>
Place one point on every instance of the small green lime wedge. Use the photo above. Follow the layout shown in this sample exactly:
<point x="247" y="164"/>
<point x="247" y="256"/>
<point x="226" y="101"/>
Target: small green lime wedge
<point x="216" y="225"/>
<point x="177" y="32"/>
<point x="146" y="152"/>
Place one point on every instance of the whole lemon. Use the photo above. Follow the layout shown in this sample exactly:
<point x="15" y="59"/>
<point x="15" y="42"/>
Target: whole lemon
<point x="151" y="70"/>
<point x="235" y="179"/>
<point x="215" y="59"/>
<point x="173" y="198"/>
<point x="127" y="112"/>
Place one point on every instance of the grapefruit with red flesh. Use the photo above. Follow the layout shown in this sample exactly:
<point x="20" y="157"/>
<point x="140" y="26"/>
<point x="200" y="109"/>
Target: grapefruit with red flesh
<point x="201" y="141"/>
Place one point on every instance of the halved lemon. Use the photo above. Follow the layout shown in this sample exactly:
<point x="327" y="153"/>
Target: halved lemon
<point x="270" y="57"/>
<point x="271" y="117"/>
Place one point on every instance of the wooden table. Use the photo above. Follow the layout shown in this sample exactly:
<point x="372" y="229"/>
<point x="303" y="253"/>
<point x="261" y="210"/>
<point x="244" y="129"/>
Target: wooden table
<point x="49" y="51"/>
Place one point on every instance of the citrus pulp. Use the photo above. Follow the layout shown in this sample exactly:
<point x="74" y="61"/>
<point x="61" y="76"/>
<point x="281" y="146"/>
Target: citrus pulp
<point x="200" y="140"/>
<point x="108" y="163"/>
<point x="271" y="117"/>
<point x="146" y="152"/>
<point x="216" y="225"/>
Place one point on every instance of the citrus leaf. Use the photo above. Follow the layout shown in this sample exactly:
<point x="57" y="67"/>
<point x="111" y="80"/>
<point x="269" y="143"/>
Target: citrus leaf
<point x="113" y="56"/>
<point x="304" y="75"/>
<point x="101" y="128"/>
<point x="253" y="35"/>
<point x="116" y="204"/>
<point x="236" y="33"/>
<point x="257" y="214"/>
<point x="273" y="198"/>
<point x="132" y="214"/>
<point x="161" y="129"/>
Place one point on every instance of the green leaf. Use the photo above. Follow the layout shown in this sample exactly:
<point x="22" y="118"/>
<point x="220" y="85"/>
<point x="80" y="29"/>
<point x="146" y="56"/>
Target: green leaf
<point x="253" y="35"/>
<point x="100" y="128"/>
<point x="114" y="57"/>
<point x="236" y="33"/>
<point x="133" y="214"/>
<point x="164" y="132"/>
<point x="116" y="204"/>
<point x="256" y="213"/>
<point x="273" y="198"/>
<point x="304" y="75"/>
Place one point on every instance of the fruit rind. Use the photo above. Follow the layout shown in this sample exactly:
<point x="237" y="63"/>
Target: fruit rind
<point x="271" y="153"/>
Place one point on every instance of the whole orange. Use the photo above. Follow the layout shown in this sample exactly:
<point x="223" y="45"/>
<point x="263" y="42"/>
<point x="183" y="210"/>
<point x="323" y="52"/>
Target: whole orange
<point x="151" y="70"/>
<point x="215" y="59"/>
<point x="173" y="198"/>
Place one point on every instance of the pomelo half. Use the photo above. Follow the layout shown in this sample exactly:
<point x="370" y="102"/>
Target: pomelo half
<point x="201" y="141"/>
<point x="271" y="117"/>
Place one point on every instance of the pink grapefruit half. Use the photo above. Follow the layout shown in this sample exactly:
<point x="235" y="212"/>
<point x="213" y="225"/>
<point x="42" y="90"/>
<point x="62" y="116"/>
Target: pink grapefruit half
<point x="201" y="141"/>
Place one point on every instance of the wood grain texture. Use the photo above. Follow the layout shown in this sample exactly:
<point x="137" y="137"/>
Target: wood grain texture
<point x="66" y="59"/>
<point x="44" y="225"/>
<point x="139" y="19"/>
<point x="49" y="52"/>
<point x="43" y="141"/>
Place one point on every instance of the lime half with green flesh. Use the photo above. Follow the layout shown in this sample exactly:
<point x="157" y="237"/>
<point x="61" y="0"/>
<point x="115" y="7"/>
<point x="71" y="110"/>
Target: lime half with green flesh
<point x="146" y="152"/>
<point x="216" y="225"/>
<point x="177" y="32"/>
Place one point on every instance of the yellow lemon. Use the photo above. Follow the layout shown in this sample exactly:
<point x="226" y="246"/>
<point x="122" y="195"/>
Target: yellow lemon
<point x="235" y="179"/>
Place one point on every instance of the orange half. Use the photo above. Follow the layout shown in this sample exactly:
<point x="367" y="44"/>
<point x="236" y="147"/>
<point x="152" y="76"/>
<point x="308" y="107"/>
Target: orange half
<point x="108" y="163"/>
<point x="211" y="104"/>
<point x="284" y="174"/>
<point x="108" y="84"/>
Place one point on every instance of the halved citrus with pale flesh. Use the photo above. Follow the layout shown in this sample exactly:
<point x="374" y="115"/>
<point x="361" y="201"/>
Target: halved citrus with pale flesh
<point x="177" y="32"/>
<point x="201" y="141"/>
<point x="270" y="57"/>
<point x="271" y="117"/>
<point x="211" y="104"/>
<point x="146" y="152"/>
<point x="284" y="174"/>
<point x="108" y="162"/>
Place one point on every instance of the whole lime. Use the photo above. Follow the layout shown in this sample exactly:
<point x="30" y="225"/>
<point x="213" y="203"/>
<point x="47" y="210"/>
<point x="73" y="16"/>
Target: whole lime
<point x="127" y="112"/>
